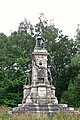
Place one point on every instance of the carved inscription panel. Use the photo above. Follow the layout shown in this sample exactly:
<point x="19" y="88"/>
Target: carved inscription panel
<point x="42" y="92"/>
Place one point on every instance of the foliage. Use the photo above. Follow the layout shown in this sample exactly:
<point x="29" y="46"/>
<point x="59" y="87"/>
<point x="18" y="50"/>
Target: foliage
<point x="69" y="96"/>
<point x="61" y="50"/>
<point x="39" y="116"/>
<point x="72" y="95"/>
<point x="12" y="61"/>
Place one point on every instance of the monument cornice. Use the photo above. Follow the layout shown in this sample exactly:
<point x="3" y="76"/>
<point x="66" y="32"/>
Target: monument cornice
<point x="40" y="53"/>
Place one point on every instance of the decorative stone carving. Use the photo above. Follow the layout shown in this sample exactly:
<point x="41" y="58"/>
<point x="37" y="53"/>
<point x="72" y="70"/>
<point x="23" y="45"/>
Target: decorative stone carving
<point x="42" y="92"/>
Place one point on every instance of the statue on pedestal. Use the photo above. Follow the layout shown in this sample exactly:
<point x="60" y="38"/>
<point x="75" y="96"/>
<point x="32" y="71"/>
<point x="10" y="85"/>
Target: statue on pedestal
<point x="40" y="42"/>
<point x="27" y="80"/>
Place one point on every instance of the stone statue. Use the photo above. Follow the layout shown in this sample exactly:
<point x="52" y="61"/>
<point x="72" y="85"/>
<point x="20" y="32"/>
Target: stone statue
<point x="41" y="74"/>
<point x="27" y="80"/>
<point x="40" y="71"/>
<point x="49" y="75"/>
<point x="40" y="42"/>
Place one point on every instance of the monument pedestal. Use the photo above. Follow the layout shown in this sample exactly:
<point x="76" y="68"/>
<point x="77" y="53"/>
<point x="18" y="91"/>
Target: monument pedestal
<point x="41" y="108"/>
<point x="39" y="98"/>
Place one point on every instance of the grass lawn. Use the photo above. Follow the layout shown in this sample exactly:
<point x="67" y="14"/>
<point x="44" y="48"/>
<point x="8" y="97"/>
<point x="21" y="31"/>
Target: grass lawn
<point x="29" y="116"/>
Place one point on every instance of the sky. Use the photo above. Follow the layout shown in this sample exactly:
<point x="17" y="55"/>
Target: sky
<point x="66" y="14"/>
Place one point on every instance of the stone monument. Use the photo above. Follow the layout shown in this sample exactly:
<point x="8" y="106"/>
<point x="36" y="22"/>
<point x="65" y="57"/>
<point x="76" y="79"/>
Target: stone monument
<point x="39" y="95"/>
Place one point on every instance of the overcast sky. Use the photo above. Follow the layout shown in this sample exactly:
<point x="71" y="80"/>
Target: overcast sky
<point x="66" y="13"/>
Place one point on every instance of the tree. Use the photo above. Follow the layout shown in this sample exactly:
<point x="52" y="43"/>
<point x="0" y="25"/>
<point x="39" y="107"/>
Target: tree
<point x="76" y="62"/>
<point x="17" y="54"/>
<point x="61" y="50"/>
<point x="72" y="95"/>
<point x="68" y="96"/>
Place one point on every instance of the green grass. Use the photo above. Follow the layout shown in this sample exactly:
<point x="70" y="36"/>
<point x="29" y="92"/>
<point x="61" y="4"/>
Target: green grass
<point x="29" y="116"/>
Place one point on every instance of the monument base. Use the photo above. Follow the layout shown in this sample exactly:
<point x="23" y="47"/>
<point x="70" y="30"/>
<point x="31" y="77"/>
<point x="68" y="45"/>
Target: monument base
<point x="41" y="108"/>
<point x="38" y="99"/>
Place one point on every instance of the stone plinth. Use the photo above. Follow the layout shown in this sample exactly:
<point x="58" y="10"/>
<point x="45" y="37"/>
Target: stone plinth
<point x="42" y="108"/>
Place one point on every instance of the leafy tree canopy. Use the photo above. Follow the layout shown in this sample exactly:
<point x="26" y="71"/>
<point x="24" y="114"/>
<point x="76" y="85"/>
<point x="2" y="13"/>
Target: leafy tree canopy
<point x="16" y="54"/>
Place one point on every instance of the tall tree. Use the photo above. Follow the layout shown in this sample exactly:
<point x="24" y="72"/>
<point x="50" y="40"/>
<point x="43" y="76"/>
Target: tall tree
<point x="16" y="57"/>
<point x="72" y="95"/>
<point x="17" y="54"/>
<point x="61" y="50"/>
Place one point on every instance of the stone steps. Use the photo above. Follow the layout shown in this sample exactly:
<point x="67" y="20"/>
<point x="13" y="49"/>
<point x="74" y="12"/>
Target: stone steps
<point x="47" y="108"/>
